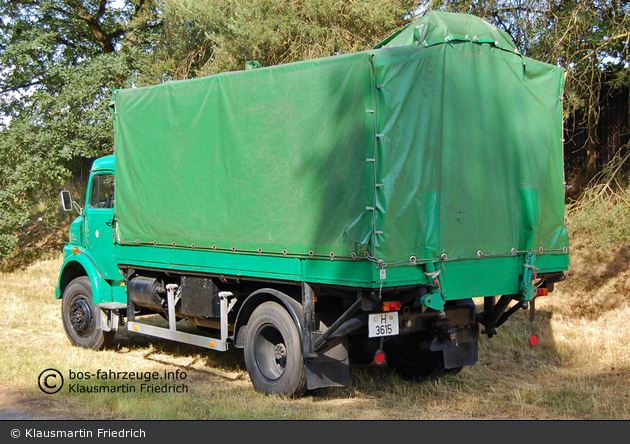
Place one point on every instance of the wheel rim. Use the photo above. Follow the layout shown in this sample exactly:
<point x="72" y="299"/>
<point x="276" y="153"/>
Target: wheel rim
<point x="270" y="352"/>
<point x="82" y="316"/>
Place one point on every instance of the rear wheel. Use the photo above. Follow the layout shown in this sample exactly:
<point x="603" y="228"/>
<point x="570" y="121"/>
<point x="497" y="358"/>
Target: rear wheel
<point x="273" y="354"/>
<point x="361" y="349"/>
<point x="412" y="363"/>
<point x="81" y="319"/>
<point x="453" y="371"/>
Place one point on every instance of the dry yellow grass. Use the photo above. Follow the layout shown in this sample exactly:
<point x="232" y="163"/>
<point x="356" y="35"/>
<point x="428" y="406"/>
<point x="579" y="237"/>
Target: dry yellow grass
<point x="580" y="369"/>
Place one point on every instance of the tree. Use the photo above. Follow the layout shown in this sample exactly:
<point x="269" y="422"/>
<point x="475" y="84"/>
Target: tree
<point x="202" y="38"/>
<point x="59" y="60"/>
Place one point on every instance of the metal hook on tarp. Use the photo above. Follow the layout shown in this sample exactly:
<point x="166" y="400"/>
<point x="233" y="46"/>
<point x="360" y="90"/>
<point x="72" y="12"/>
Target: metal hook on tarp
<point x="434" y="299"/>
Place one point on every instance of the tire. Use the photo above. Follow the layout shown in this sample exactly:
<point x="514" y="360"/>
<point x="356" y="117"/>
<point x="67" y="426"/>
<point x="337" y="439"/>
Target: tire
<point x="80" y="316"/>
<point x="453" y="371"/>
<point x="273" y="353"/>
<point x="414" y="364"/>
<point x="361" y="349"/>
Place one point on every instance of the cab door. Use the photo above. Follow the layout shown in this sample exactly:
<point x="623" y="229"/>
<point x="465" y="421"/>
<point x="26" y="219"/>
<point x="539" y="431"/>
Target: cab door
<point x="99" y="216"/>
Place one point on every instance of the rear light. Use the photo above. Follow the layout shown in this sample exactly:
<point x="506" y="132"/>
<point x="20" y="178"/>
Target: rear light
<point x="544" y="291"/>
<point x="391" y="306"/>
<point x="379" y="357"/>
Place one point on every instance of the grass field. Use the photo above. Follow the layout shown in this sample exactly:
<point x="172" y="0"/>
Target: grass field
<point x="579" y="370"/>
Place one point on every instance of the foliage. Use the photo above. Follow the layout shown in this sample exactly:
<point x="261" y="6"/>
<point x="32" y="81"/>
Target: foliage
<point x="59" y="61"/>
<point x="601" y="213"/>
<point x="202" y="38"/>
<point x="603" y="218"/>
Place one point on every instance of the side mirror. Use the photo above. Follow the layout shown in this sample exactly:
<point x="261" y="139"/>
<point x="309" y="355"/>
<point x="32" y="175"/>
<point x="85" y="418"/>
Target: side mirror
<point x="66" y="200"/>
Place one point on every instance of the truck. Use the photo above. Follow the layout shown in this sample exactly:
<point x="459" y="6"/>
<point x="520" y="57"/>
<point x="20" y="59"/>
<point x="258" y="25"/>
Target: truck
<point x="384" y="206"/>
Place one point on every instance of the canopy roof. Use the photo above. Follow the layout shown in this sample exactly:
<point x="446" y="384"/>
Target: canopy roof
<point x="438" y="27"/>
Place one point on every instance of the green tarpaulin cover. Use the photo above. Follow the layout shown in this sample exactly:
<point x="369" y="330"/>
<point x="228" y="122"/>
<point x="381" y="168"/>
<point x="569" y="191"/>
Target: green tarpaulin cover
<point x="441" y="140"/>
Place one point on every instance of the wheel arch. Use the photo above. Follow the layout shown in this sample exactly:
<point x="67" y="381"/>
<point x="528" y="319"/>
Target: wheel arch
<point x="293" y="307"/>
<point x="77" y="266"/>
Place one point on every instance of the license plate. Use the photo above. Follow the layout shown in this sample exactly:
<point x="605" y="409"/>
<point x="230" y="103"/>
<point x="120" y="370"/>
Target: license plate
<point x="383" y="324"/>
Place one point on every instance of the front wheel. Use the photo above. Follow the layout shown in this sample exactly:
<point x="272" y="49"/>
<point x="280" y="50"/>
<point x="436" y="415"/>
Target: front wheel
<point x="81" y="319"/>
<point x="273" y="354"/>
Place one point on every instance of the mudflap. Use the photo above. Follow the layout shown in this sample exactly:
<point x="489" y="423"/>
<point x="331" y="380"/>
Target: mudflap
<point x="461" y="356"/>
<point x="467" y="350"/>
<point x="331" y="367"/>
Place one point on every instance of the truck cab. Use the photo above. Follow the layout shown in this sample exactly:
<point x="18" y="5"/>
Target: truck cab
<point x="89" y="274"/>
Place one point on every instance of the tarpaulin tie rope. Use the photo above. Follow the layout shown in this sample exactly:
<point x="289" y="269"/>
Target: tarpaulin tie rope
<point x="434" y="274"/>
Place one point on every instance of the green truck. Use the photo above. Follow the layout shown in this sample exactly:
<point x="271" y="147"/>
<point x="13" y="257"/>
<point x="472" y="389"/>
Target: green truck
<point x="341" y="210"/>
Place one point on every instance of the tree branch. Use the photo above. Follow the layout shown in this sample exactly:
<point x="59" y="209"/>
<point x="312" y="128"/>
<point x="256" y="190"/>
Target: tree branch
<point x="19" y="87"/>
<point x="104" y="40"/>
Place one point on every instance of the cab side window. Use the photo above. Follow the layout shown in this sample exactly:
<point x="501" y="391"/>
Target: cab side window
<point x="102" y="191"/>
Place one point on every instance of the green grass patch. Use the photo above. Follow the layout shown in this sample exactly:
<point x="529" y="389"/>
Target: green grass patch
<point x="601" y="216"/>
